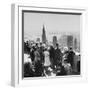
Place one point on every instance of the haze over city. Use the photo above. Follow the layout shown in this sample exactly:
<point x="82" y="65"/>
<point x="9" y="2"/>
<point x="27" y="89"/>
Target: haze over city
<point x="55" y="24"/>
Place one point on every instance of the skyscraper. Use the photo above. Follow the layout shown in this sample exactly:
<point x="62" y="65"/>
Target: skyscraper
<point x="43" y="35"/>
<point x="54" y="40"/>
<point x="38" y="39"/>
<point x="63" y="41"/>
<point x="75" y="43"/>
<point x="70" y="41"/>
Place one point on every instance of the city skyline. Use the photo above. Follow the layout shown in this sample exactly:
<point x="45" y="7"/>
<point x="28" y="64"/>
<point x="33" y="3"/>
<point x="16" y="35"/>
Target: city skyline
<point x="50" y="35"/>
<point x="55" y="24"/>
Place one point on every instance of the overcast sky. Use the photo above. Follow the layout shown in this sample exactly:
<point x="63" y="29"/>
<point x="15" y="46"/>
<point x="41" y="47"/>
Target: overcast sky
<point x="54" y="23"/>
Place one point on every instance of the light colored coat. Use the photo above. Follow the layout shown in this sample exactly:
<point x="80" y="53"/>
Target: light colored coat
<point x="47" y="59"/>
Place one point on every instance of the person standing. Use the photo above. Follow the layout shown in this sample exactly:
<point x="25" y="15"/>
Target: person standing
<point x="58" y="56"/>
<point x="37" y="63"/>
<point x="70" y="57"/>
<point x="41" y="53"/>
<point x="52" y="57"/>
<point x="47" y="62"/>
<point x="32" y="55"/>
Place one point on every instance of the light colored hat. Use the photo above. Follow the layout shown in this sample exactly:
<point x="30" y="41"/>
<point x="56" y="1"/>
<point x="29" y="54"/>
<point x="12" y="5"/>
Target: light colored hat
<point x="66" y="48"/>
<point x="44" y="45"/>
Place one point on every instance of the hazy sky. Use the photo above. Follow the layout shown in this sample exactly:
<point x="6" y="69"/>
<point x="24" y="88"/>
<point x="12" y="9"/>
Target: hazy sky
<point x="54" y="23"/>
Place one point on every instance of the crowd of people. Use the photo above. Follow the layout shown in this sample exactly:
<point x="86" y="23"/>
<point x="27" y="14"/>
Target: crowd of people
<point x="49" y="60"/>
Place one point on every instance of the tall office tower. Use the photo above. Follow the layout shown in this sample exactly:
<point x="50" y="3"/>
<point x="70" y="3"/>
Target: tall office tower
<point x="38" y="39"/>
<point x="54" y="40"/>
<point x="75" y="43"/>
<point x="43" y="35"/>
<point x="70" y="41"/>
<point x="63" y="41"/>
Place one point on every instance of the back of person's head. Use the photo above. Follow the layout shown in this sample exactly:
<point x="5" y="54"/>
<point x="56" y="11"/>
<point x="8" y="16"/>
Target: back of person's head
<point x="57" y="45"/>
<point x="40" y="43"/>
<point x="51" y="47"/>
<point x="70" y="48"/>
<point x="36" y="44"/>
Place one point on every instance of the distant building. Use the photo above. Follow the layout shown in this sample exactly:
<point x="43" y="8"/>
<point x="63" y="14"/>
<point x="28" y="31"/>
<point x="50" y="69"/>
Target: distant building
<point x="63" y="41"/>
<point x="54" y="40"/>
<point x="75" y="44"/>
<point x="38" y="40"/>
<point x="43" y="35"/>
<point x="70" y="41"/>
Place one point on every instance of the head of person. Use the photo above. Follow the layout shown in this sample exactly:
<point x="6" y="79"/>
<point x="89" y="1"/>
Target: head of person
<point x="31" y="44"/>
<point x="41" y="44"/>
<point x="65" y="49"/>
<point x="51" y="47"/>
<point x="36" y="44"/>
<point x="57" y="45"/>
<point x="70" y="49"/>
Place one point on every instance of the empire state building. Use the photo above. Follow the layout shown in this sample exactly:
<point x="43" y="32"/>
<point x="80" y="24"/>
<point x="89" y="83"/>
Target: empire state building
<point x="43" y="35"/>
